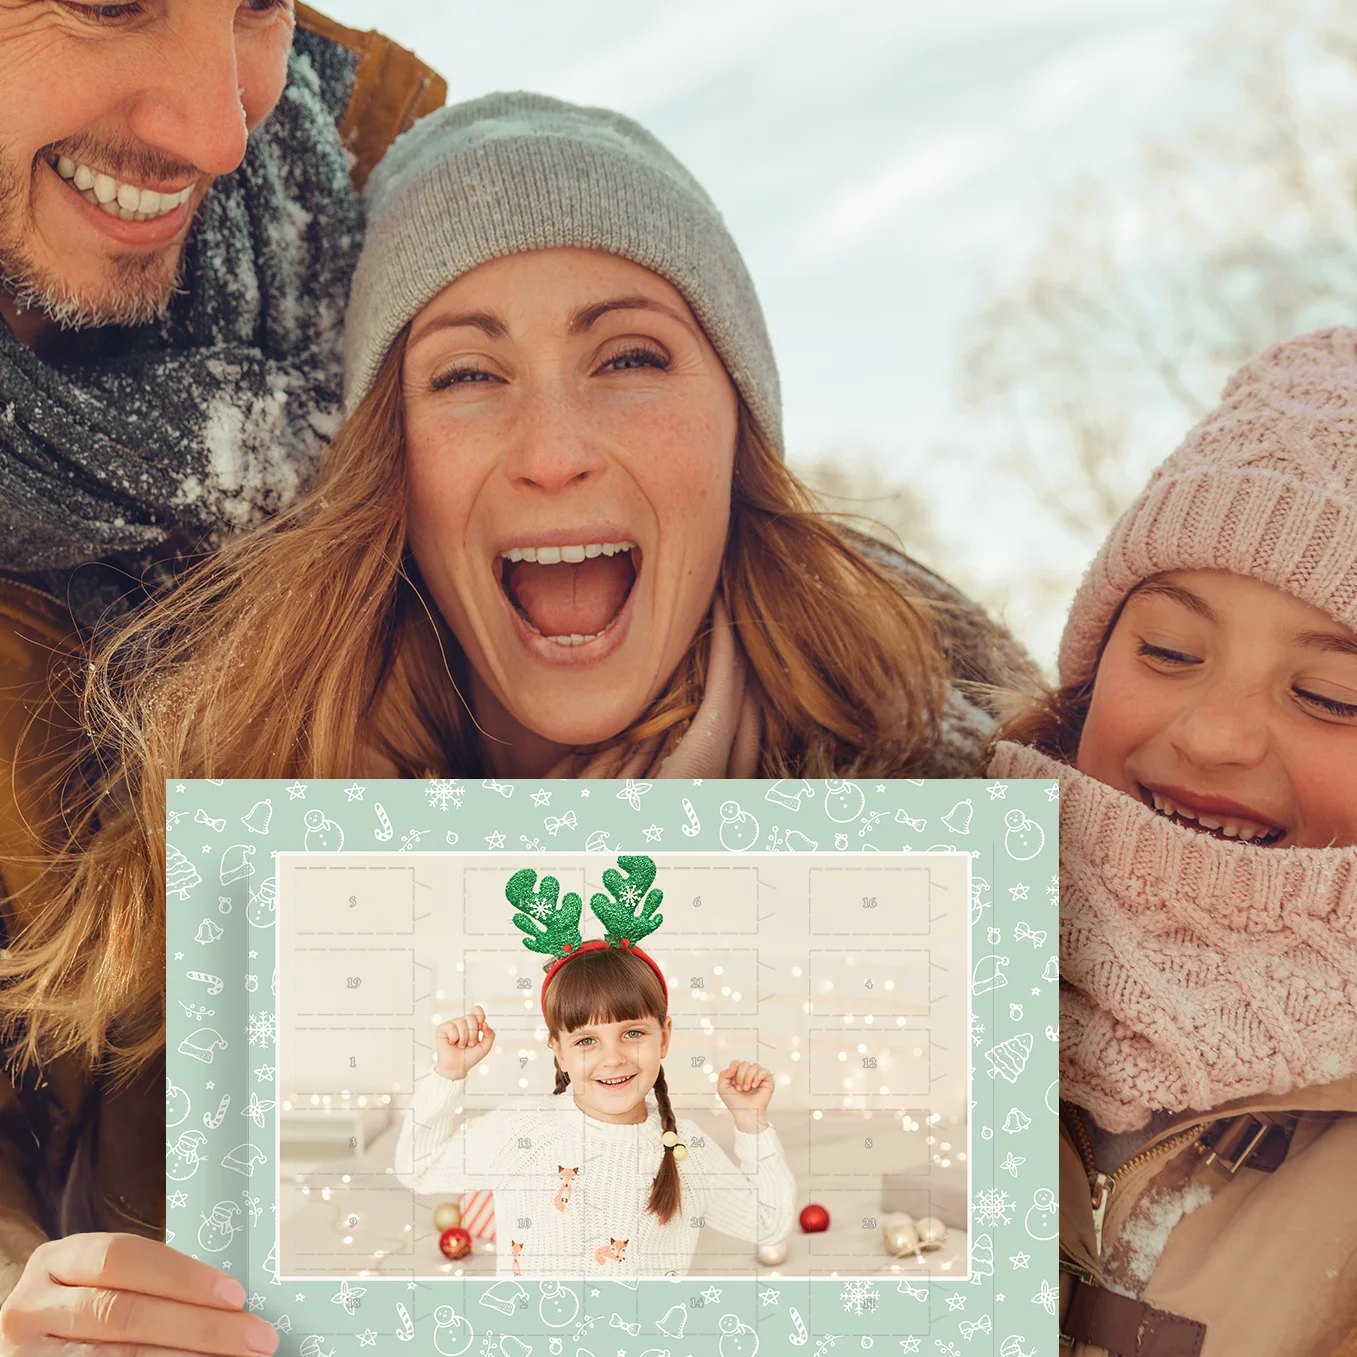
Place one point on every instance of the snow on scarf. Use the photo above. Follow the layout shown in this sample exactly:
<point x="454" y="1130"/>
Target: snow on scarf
<point x="215" y="417"/>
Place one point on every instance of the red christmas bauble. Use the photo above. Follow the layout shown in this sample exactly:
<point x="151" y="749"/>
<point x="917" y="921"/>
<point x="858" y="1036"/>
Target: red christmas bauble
<point x="454" y="1242"/>
<point x="814" y="1219"/>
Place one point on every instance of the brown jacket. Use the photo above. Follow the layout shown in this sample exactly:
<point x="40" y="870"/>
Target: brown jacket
<point x="1264" y="1266"/>
<point x="75" y="1155"/>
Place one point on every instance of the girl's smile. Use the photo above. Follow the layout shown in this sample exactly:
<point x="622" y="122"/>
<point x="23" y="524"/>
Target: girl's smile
<point x="1230" y="707"/>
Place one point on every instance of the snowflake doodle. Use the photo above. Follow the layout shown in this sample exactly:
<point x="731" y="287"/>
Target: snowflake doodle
<point x="262" y="1028"/>
<point x="859" y="1296"/>
<point x="443" y="792"/>
<point x="992" y="1207"/>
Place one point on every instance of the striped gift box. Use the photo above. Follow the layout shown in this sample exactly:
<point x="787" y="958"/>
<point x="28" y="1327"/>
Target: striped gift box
<point x="478" y="1214"/>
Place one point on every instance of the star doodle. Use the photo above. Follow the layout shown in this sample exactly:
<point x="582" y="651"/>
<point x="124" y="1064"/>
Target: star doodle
<point x="299" y="1296"/>
<point x="297" y="792"/>
<point x="207" y="848"/>
<point x="594" y="1291"/>
<point x="209" y="1084"/>
<point x="712" y="1296"/>
<point x="412" y="1286"/>
<point x="956" y="1301"/>
<point x="909" y="1344"/>
<point x="1036" y="989"/>
<point x="254" y="956"/>
<point x="179" y="956"/>
<point x="367" y="1339"/>
<point x="1053" y="792"/>
<point x="264" y="1074"/>
<point x="1000" y="1296"/>
<point x="997" y="790"/>
<point x="495" y="840"/>
<point x="1020" y="1259"/>
<point x="180" y="788"/>
<point x="881" y="786"/>
<point x="541" y="797"/>
<point x="769" y="1296"/>
<point x="653" y="834"/>
<point x="354" y="793"/>
<point x="255" y="1304"/>
<point x="178" y="1198"/>
<point x="1018" y="892"/>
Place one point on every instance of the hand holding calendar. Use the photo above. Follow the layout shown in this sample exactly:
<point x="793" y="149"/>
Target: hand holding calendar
<point x="462" y="1043"/>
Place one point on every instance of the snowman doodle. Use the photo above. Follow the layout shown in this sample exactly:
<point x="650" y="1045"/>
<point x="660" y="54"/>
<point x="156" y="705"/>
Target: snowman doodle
<point x="177" y="1105"/>
<point x="1025" y="838"/>
<point x="559" y="1305"/>
<point x="262" y="911"/>
<point x="739" y="829"/>
<point x="844" y="801"/>
<point x="219" y="1229"/>
<point x="322" y="835"/>
<point x="737" y="1339"/>
<point x="979" y="904"/>
<point x="1043" y="1216"/>
<point x="182" y="1158"/>
<point x="453" y="1334"/>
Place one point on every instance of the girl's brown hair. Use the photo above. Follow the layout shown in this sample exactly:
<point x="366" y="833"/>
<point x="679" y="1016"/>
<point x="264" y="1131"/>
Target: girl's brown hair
<point x="610" y="985"/>
<point x="307" y="649"/>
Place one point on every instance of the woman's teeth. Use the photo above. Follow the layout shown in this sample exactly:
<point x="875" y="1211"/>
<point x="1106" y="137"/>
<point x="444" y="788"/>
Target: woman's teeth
<point x="124" y="201"/>
<point x="1244" y="830"/>
<point x="573" y="555"/>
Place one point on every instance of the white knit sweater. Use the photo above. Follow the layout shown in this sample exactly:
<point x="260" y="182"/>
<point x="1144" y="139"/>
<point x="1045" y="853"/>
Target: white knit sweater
<point x="592" y="1222"/>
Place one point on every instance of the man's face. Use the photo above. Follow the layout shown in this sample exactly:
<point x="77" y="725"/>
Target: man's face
<point x="114" y="121"/>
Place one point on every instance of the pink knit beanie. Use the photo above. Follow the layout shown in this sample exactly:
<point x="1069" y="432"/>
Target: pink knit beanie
<point x="1265" y="486"/>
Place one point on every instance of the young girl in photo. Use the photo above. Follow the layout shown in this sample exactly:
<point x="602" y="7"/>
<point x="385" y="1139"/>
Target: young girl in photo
<point x="1205" y="744"/>
<point x="600" y="1183"/>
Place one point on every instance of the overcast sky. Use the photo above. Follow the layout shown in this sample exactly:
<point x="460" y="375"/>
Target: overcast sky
<point x="881" y="164"/>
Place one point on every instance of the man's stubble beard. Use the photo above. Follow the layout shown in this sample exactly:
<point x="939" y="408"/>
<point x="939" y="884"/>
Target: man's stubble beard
<point x="137" y="287"/>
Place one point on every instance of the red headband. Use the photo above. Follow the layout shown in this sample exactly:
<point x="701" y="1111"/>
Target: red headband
<point x="593" y="945"/>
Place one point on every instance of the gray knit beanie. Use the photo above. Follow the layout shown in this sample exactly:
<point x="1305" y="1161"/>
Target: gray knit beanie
<point x="508" y="173"/>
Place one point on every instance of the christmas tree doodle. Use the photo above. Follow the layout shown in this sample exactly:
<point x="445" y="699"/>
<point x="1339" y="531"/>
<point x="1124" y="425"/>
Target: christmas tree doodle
<point x="180" y="874"/>
<point x="619" y="915"/>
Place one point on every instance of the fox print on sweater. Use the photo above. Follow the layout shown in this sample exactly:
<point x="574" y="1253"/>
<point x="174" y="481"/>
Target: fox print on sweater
<point x="575" y="1189"/>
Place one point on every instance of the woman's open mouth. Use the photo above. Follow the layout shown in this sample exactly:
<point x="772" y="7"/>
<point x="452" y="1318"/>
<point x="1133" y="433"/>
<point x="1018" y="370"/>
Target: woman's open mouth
<point x="1220" y="819"/>
<point x="616" y="1083"/>
<point x="572" y="594"/>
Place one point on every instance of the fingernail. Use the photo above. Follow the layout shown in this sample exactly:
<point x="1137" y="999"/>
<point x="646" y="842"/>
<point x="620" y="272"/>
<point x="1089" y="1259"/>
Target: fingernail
<point x="260" y="1336"/>
<point x="230" y="1291"/>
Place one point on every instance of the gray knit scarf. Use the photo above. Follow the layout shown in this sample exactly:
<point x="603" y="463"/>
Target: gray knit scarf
<point x="214" y="417"/>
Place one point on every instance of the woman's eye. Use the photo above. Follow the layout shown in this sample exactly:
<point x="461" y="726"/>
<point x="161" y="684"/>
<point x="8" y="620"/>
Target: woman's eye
<point x="104" y="14"/>
<point x="1164" y="655"/>
<point x="1346" y="711"/>
<point x="638" y="356"/>
<point x="460" y="377"/>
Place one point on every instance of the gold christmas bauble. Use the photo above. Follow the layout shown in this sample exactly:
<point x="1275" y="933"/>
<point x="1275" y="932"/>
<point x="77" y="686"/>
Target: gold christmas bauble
<point x="680" y="1152"/>
<point x="773" y="1255"/>
<point x="446" y="1215"/>
<point x="932" y="1232"/>
<point x="901" y="1238"/>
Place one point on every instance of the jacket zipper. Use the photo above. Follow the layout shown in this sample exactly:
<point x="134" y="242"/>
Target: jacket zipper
<point x="1102" y="1185"/>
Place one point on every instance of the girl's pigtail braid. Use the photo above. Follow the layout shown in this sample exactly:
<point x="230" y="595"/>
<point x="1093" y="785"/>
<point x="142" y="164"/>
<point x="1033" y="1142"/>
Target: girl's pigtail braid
<point x="562" y="1079"/>
<point x="666" y="1192"/>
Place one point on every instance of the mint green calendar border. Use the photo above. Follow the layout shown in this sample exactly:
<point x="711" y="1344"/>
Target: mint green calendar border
<point x="1007" y="1311"/>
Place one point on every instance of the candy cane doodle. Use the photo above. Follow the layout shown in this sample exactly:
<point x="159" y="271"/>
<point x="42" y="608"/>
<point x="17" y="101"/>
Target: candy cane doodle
<point x="213" y="1119"/>
<point x="385" y="832"/>
<point x="407" y="1328"/>
<point x="800" y="1336"/>
<point x="694" y="825"/>
<point x="214" y="983"/>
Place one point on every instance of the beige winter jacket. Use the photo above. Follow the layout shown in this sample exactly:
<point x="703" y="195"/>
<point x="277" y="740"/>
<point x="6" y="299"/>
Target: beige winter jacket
<point x="1263" y="1265"/>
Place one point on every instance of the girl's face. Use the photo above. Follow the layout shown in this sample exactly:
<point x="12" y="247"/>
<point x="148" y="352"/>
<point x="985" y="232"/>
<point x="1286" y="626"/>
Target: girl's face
<point x="570" y="441"/>
<point x="613" y="1065"/>
<point x="1231" y="707"/>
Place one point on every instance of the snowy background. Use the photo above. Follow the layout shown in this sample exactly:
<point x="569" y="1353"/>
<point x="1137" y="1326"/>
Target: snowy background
<point x="973" y="227"/>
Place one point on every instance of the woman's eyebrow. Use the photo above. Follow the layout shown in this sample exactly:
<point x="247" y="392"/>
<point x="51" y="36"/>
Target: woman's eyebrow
<point x="586" y="316"/>
<point x="1192" y="602"/>
<point x="485" y="321"/>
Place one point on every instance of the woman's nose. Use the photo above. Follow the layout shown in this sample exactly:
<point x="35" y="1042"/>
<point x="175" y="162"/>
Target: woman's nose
<point x="554" y="442"/>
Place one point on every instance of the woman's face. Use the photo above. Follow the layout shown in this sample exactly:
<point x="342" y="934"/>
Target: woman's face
<point x="571" y="438"/>
<point x="613" y="1065"/>
<point x="1231" y="707"/>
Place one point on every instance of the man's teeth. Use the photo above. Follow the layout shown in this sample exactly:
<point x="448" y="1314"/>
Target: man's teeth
<point x="573" y="554"/>
<point x="124" y="201"/>
<point x="1245" y="830"/>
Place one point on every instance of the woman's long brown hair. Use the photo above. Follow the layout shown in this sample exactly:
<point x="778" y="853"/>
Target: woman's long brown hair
<point x="307" y="648"/>
<point x="609" y="985"/>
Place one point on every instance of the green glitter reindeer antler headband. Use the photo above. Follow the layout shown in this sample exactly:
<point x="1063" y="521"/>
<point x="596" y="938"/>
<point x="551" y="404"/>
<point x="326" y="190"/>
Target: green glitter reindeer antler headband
<point x="550" y="923"/>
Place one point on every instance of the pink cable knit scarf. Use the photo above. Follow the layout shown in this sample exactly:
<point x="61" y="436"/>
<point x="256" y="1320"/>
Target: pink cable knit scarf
<point x="1194" y="971"/>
